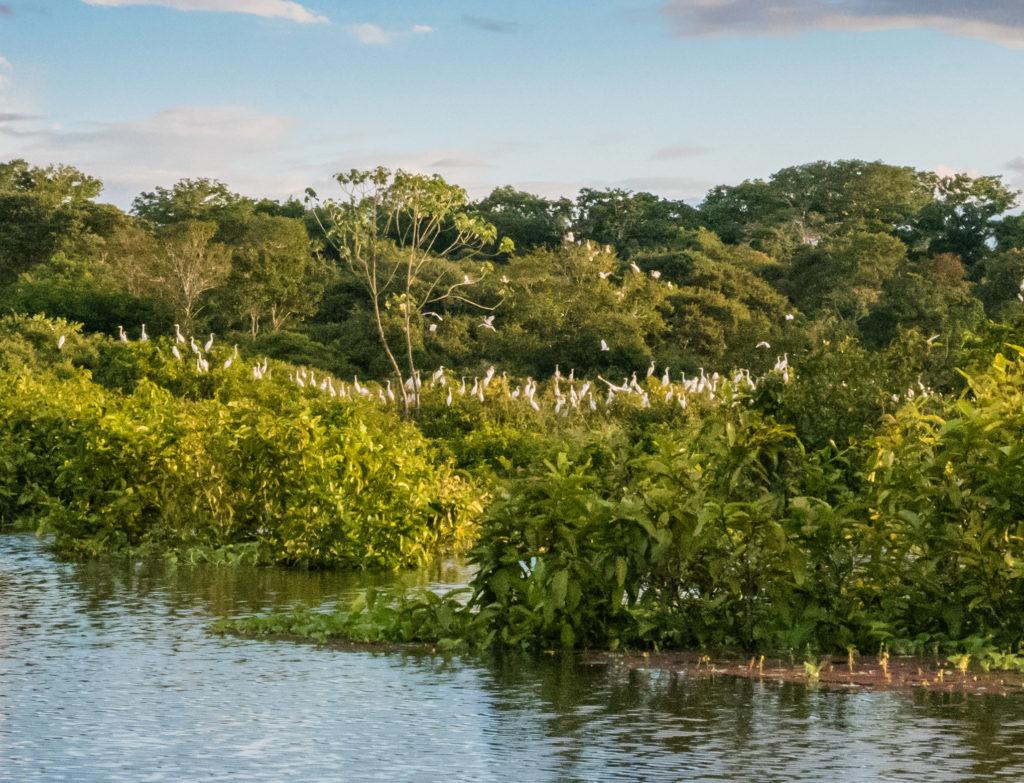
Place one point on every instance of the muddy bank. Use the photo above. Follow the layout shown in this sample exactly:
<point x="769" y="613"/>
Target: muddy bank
<point x="861" y="673"/>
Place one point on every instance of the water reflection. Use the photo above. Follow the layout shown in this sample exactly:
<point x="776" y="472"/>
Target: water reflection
<point x="107" y="673"/>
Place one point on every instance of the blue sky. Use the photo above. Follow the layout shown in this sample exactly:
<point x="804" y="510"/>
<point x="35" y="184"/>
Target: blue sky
<point x="674" y="97"/>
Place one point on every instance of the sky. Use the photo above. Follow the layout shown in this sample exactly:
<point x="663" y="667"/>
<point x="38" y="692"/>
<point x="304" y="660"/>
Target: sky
<point x="670" y="96"/>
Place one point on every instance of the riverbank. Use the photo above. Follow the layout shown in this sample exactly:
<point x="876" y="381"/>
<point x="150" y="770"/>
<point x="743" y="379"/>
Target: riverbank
<point x="861" y="673"/>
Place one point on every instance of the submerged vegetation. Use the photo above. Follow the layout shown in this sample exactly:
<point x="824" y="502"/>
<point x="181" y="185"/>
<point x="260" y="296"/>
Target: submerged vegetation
<point x="791" y="418"/>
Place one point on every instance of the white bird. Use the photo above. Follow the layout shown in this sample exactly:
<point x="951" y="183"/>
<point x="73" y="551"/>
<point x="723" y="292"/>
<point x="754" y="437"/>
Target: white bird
<point x="193" y="346"/>
<point x="790" y="316"/>
<point x="60" y="343"/>
<point x="634" y="267"/>
<point x="121" y="335"/>
<point x="449" y="399"/>
<point x="228" y="362"/>
<point x="143" y="337"/>
<point x="175" y="352"/>
<point x="665" y="379"/>
<point x="650" y="370"/>
<point x="762" y="344"/>
<point x="209" y="343"/>
<point x="655" y="274"/>
<point x="504" y="279"/>
<point x="466" y="280"/>
<point x="604" y="275"/>
<point x="178" y="336"/>
<point x="433" y="327"/>
<point x="488" y="323"/>
<point x="604" y="346"/>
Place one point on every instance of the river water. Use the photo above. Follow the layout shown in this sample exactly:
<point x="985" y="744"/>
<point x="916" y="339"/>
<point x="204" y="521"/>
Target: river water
<point x="107" y="673"/>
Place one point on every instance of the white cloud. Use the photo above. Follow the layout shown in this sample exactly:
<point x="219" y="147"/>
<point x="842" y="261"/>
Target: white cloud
<point x="372" y="35"/>
<point x="247" y="149"/>
<point x="283" y="9"/>
<point x="948" y="171"/>
<point x="999" y="21"/>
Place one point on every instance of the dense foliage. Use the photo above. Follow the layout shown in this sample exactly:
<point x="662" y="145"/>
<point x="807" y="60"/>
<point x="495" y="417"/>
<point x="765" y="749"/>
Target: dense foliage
<point x="143" y="453"/>
<point x="588" y="431"/>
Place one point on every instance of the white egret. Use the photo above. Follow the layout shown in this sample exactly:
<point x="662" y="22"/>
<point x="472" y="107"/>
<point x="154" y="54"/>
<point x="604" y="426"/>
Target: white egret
<point x="143" y="337"/>
<point x="209" y="343"/>
<point x="175" y="352"/>
<point x="60" y="343"/>
<point x="604" y="346"/>
<point x="762" y="344"/>
<point x="178" y="336"/>
<point x="121" y="335"/>
<point x="488" y="323"/>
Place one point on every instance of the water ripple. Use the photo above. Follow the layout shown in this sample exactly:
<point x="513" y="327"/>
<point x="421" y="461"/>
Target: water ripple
<point x="107" y="674"/>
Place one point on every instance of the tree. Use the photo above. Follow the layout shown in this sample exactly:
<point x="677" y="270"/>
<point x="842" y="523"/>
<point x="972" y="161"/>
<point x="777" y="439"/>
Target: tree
<point x="274" y="274"/>
<point x="187" y="265"/>
<point x="560" y="304"/>
<point x="188" y="199"/>
<point x="630" y="222"/>
<point x="961" y="217"/>
<point x="1009" y="232"/>
<point x="530" y="221"/>
<point x="802" y="205"/>
<point x="390" y="229"/>
<point x="844" y="276"/>
<point x="41" y="212"/>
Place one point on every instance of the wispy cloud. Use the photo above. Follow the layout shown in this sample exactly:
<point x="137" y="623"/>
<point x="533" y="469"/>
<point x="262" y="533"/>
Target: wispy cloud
<point x="489" y="25"/>
<point x="999" y="21"/>
<point x="245" y="148"/>
<point x="1017" y="164"/>
<point x="681" y="151"/>
<point x="282" y="9"/>
<point x="372" y="35"/>
<point x="13" y="116"/>
<point x="6" y="10"/>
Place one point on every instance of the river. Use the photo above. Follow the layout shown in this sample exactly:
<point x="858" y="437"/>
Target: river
<point x="108" y="673"/>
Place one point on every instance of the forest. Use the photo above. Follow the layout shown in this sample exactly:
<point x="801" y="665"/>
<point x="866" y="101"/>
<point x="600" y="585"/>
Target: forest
<point x="789" y="416"/>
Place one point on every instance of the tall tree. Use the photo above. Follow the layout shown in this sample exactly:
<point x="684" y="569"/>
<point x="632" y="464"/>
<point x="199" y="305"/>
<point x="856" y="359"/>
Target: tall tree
<point x="530" y="221"/>
<point x="390" y="229"/>
<point x="41" y="212"/>
<point x="961" y="218"/>
<point x="188" y="264"/>
<point x="631" y="221"/>
<point x="274" y="273"/>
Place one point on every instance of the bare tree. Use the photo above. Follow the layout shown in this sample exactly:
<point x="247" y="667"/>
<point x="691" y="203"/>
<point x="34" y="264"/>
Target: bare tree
<point x="391" y="228"/>
<point x="188" y="265"/>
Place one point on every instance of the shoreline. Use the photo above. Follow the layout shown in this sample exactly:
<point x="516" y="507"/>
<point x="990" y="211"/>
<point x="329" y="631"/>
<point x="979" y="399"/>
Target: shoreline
<point x="866" y="674"/>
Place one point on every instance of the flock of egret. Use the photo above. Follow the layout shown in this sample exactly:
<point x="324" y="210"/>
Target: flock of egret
<point x="563" y="393"/>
